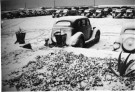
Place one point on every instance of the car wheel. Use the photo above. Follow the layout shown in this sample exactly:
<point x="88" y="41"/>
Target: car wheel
<point x="97" y="36"/>
<point x="80" y="43"/>
<point x="128" y="45"/>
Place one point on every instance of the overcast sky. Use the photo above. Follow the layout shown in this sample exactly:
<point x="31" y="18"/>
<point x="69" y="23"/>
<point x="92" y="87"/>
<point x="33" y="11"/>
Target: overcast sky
<point x="13" y="4"/>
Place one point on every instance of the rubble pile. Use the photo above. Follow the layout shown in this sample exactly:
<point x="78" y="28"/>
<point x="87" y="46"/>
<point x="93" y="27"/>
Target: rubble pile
<point x="65" y="71"/>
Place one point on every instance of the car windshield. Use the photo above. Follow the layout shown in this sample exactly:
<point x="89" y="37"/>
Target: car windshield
<point x="63" y="23"/>
<point x="130" y="31"/>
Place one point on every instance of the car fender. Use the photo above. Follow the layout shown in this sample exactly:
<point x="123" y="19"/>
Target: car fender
<point x="95" y="30"/>
<point x="93" y="39"/>
<point x="75" y="38"/>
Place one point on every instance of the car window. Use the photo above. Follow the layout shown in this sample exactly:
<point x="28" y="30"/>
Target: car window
<point x="63" y="23"/>
<point x="79" y="23"/>
<point x="83" y="22"/>
<point x="130" y="31"/>
<point x="88" y="23"/>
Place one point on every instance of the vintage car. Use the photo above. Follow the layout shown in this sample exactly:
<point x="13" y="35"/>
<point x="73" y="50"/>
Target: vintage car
<point x="99" y="13"/>
<point x="50" y="11"/>
<point x="119" y="13"/>
<point x="113" y="10"/>
<point x="89" y="12"/>
<point x="107" y="11"/>
<point x="82" y="9"/>
<point x="57" y="14"/>
<point x="15" y="13"/>
<point x="126" y="40"/>
<point x="73" y="31"/>
<point x="30" y="12"/>
<point x="129" y="13"/>
<point x="7" y="15"/>
<point x="22" y="13"/>
<point x="72" y="12"/>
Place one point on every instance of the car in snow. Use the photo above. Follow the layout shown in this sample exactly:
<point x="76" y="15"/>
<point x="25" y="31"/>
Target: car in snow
<point x="72" y="12"/>
<point x="89" y="12"/>
<point x="58" y="13"/>
<point x="82" y="9"/>
<point x="107" y="11"/>
<point x="129" y="13"/>
<point x="73" y="31"/>
<point x="119" y="13"/>
<point x="126" y="40"/>
<point x="99" y="13"/>
<point x="6" y="14"/>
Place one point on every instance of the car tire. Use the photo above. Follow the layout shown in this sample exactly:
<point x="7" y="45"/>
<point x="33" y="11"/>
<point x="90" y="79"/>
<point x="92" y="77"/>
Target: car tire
<point x="80" y="43"/>
<point x="127" y="51"/>
<point x="97" y="36"/>
<point x="128" y="46"/>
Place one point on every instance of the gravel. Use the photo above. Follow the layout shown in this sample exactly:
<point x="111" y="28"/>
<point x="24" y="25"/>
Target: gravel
<point x="65" y="71"/>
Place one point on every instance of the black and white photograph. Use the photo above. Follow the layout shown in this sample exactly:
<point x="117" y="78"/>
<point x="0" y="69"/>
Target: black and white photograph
<point x="67" y="45"/>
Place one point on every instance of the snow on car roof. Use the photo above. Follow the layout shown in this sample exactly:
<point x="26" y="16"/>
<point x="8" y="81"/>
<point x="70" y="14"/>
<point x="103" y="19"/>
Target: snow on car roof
<point x="127" y="26"/>
<point x="71" y="18"/>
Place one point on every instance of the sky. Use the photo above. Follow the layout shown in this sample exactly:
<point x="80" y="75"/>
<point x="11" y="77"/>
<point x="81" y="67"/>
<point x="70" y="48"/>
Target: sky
<point x="14" y="4"/>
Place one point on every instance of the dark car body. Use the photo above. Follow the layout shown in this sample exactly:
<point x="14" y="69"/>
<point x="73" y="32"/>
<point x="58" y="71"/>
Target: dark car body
<point x="15" y="14"/>
<point x="73" y="31"/>
<point x="126" y="40"/>
<point x="6" y="15"/>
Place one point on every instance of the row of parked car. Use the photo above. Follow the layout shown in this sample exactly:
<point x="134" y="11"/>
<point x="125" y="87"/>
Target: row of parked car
<point x="97" y="12"/>
<point x="22" y="12"/>
<point x="90" y="12"/>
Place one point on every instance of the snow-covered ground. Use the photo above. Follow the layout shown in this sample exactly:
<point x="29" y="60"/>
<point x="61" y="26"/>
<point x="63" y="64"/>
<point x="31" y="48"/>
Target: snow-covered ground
<point x="37" y="28"/>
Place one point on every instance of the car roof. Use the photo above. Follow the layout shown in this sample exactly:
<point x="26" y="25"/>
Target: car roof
<point x="72" y="18"/>
<point x="127" y="26"/>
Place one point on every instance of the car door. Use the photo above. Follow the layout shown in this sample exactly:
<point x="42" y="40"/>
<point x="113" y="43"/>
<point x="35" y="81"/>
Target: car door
<point x="89" y="29"/>
<point x="84" y="26"/>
